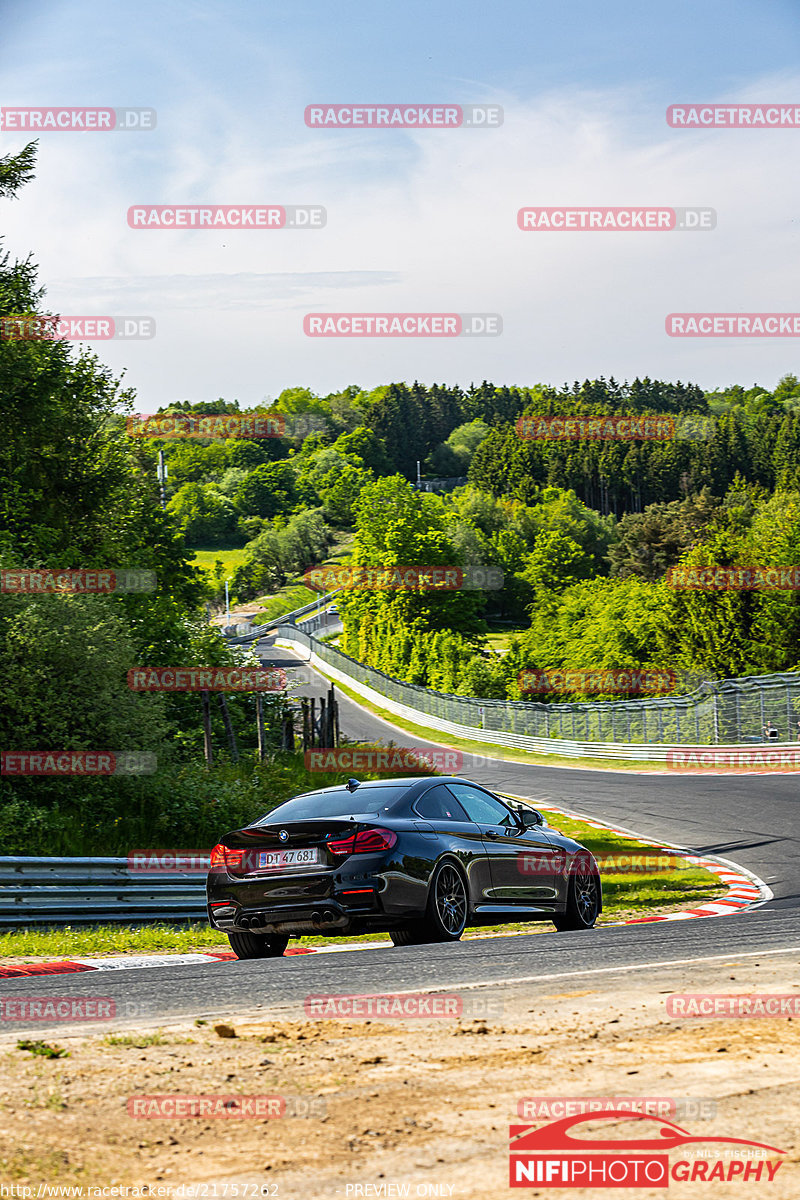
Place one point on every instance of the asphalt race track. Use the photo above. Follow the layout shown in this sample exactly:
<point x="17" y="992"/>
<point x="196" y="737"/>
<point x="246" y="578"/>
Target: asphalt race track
<point x="749" y="819"/>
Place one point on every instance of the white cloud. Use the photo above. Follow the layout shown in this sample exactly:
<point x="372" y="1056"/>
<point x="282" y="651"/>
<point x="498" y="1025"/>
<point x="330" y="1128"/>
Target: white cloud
<point x="420" y="222"/>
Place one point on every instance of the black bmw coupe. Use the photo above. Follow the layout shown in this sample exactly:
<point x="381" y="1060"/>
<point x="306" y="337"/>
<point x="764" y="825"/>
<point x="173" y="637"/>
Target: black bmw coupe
<point x="419" y="858"/>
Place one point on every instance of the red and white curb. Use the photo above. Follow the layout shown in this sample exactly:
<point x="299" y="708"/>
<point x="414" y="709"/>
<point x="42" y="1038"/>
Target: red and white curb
<point x="746" y="891"/>
<point x="129" y="962"/>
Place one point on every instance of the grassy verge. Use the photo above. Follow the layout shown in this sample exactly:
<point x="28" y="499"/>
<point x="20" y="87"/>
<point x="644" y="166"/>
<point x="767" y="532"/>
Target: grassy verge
<point x="290" y="597"/>
<point x="625" y="896"/>
<point x="500" y="634"/>
<point x="230" y="557"/>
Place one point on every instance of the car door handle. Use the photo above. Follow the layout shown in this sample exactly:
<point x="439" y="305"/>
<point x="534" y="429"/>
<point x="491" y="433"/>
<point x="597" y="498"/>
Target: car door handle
<point x="490" y="833"/>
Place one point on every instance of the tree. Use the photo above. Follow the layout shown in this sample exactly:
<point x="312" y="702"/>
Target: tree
<point x="205" y="516"/>
<point x="266" y="491"/>
<point x="364" y="444"/>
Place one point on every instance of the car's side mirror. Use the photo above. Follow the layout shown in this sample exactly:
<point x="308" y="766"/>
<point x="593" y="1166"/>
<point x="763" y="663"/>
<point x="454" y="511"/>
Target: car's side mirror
<point x="530" y="817"/>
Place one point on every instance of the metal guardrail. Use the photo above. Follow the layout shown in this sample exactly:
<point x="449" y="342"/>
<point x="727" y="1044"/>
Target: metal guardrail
<point x="84" y="891"/>
<point x="732" y="712"/>
<point x="289" y="618"/>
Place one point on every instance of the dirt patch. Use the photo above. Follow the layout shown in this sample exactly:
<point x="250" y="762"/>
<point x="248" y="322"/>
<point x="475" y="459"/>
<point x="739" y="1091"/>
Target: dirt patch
<point x="416" y="1104"/>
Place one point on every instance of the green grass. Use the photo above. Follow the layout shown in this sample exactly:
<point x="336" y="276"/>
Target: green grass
<point x="500" y="634"/>
<point x="43" y="1049"/>
<point x="289" y="597"/>
<point x="142" y="1040"/>
<point x="109" y="940"/>
<point x="230" y="557"/>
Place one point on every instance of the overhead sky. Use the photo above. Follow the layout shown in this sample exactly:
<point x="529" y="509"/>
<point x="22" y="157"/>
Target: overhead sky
<point x="417" y="220"/>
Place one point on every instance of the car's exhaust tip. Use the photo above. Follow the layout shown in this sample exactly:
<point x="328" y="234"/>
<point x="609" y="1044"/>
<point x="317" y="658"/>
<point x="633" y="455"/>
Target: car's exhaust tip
<point x="328" y="916"/>
<point x="252" y="922"/>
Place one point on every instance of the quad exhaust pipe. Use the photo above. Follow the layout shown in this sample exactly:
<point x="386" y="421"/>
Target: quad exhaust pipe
<point x="253" y="922"/>
<point x="318" y="918"/>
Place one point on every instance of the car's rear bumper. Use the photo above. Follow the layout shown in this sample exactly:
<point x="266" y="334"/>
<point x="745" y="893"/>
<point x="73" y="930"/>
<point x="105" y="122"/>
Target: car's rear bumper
<point x="315" y="902"/>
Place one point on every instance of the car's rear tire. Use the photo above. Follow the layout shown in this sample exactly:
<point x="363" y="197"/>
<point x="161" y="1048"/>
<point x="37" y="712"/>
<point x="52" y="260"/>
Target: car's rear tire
<point x="446" y="912"/>
<point x="583" y="897"/>
<point x="258" y="945"/>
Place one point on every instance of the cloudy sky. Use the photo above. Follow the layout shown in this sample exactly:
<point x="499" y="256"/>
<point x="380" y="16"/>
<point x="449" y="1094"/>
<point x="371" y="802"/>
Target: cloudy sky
<point x="417" y="221"/>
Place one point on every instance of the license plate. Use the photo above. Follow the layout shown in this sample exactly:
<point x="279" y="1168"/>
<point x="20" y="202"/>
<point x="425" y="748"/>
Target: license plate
<point x="277" y="860"/>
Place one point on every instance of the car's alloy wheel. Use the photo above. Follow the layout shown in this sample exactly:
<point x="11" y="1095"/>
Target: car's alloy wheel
<point x="446" y="913"/>
<point x="449" y="894"/>
<point x="583" y="897"/>
<point x="258" y="945"/>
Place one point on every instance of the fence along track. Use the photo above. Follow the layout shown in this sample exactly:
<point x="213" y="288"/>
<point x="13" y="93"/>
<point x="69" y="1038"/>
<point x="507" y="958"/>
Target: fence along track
<point x="732" y="712"/>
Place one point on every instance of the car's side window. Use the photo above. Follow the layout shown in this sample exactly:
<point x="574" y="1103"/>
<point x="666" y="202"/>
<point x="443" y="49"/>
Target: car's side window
<point x="440" y="804"/>
<point x="480" y="806"/>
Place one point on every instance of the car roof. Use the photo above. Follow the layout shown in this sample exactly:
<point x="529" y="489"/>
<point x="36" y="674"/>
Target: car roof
<point x="394" y="781"/>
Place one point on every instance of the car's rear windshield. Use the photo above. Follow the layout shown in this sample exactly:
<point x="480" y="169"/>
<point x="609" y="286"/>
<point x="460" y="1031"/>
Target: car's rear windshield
<point x="364" y="800"/>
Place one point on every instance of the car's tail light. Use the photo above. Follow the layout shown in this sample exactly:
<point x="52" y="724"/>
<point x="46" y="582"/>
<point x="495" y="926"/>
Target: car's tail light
<point x="367" y="841"/>
<point x="225" y="859"/>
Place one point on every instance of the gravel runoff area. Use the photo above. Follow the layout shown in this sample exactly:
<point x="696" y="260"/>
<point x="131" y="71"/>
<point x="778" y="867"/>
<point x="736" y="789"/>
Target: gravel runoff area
<point x="392" y="1107"/>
